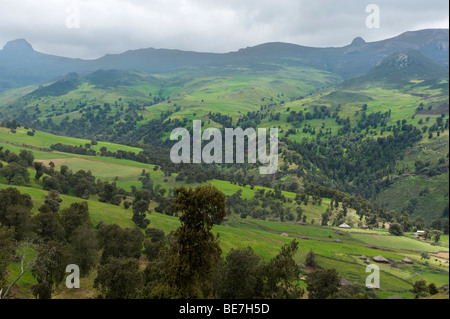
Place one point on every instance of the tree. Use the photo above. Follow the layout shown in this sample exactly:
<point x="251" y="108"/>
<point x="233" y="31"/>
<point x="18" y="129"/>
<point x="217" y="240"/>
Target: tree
<point x="436" y="234"/>
<point x="49" y="268"/>
<point x="239" y="276"/>
<point x="15" y="211"/>
<point x="396" y="229"/>
<point x="325" y="218"/>
<point x="419" y="223"/>
<point x="280" y="275"/>
<point x="76" y="215"/>
<point x="425" y="255"/>
<point x="322" y="283"/>
<point x="420" y="289"/>
<point x="47" y="224"/>
<point x="432" y="289"/>
<point x="53" y="200"/>
<point x="119" y="278"/>
<point x="118" y="242"/>
<point x="140" y="207"/>
<point x="195" y="249"/>
<point x="39" y="167"/>
<point x="15" y="174"/>
<point x="311" y="260"/>
<point x="436" y="224"/>
<point x="445" y="226"/>
<point x="26" y="157"/>
<point x="84" y="249"/>
<point x="156" y="242"/>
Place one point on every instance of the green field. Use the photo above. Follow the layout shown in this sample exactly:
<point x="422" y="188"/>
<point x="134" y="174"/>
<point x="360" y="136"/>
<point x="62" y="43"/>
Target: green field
<point x="265" y="238"/>
<point x="282" y="90"/>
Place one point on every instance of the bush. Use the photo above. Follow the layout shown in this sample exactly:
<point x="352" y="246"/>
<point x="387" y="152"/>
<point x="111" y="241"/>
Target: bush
<point x="396" y="229"/>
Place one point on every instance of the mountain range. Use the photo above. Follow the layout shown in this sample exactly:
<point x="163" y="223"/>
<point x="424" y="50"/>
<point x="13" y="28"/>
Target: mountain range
<point x="21" y="65"/>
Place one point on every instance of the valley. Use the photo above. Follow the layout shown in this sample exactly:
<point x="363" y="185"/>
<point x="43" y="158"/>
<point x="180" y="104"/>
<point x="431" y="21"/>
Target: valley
<point x="363" y="141"/>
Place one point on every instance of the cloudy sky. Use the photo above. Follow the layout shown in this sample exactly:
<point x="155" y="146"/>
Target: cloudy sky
<point x="92" y="28"/>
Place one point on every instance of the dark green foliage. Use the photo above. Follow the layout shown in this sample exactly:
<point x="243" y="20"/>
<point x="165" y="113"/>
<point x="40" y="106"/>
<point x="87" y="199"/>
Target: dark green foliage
<point x="396" y="229"/>
<point x="39" y="170"/>
<point x="239" y="276"/>
<point x="197" y="248"/>
<point x="15" y="174"/>
<point x="154" y="245"/>
<point x="119" y="278"/>
<point x="311" y="260"/>
<point x="110" y="194"/>
<point x="49" y="269"/>
<point x="189" y="263"/>
<point x="47" y="224"/>
<point x="84" y="249"/>
<point x="354" y="291"/>
<point x="118" y="242"/>
<point x="53" y="200"/>
<point x="140" y="207"/>
<point x="323" y="283"/>
<point x="76" y="215"/>
<point x="432" y="289"/>
<point x="280" y="274"/>
<point x="73" y="149"/>
<point x="15" y="211"/>
<point x="420" y="289"/>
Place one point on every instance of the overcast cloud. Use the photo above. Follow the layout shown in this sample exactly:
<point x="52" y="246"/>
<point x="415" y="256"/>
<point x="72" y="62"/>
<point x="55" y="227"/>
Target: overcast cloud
<point x="115" y="26"/>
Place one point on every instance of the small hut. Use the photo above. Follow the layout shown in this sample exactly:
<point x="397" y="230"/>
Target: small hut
<point x="337" y="240"/>
<point x="339" y="232"/>
<point x="303" y="237"/>
<point x="406" y="260"/>
<point x="344" y="225"/>
<point x="363" y="257"/>
<point x="380" y="259"/>
<point x="284" y="234"/>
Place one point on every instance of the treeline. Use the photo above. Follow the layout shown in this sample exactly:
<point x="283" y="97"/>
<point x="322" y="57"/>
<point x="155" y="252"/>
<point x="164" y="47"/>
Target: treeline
<point x="81" y="150"/>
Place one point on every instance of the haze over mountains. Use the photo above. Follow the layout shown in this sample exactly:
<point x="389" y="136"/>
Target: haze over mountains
<point x="21" y="65"/>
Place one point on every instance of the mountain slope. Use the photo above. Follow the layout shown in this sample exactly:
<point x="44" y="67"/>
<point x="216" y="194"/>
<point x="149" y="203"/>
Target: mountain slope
<point x="20" y="65"/>
<point x="399" y="69"/>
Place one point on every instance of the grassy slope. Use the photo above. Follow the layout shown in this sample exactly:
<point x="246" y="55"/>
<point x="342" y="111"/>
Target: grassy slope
<point x="403" y="104"/>
<point x="264" y="237"/>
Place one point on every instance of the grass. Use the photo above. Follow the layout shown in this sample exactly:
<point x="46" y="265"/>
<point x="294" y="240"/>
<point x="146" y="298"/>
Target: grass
<point x="265" y="239"/>
<point x="45" y="140"/>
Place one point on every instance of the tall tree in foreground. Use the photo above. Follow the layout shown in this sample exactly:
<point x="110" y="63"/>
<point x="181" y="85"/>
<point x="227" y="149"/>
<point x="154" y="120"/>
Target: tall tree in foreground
<point x="195" y="250"/>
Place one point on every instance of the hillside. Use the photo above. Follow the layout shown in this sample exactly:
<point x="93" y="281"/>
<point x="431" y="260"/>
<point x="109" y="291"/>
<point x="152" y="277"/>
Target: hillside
<point x="20" y="65"/>
<point x="339" y="251"/>
<point x="363" y="137"/>
<point x="399" y="69"/>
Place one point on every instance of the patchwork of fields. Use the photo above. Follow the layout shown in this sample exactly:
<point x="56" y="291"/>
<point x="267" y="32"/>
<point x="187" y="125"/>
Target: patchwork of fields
<point x="264" y="236"/>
